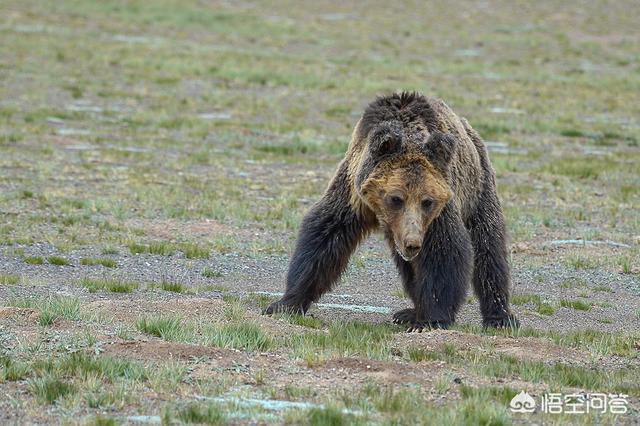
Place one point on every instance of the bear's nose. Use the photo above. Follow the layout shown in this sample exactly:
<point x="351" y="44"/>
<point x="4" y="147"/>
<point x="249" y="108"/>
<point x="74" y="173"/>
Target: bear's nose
<point x="412" y="248"/>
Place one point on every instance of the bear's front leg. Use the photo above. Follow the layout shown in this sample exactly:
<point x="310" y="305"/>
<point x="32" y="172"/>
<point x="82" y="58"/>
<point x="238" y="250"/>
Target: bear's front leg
<point x="329" y="234"/>
<point x="443" y="272"/>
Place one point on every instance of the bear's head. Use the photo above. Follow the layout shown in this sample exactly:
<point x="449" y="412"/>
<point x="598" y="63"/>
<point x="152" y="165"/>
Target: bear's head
<point x="404" y="181"/>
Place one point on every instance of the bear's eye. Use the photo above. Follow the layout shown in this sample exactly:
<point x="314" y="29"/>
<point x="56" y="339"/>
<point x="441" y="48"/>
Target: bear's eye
<point x="395" y="202"/>
<point x="426" y="204"/>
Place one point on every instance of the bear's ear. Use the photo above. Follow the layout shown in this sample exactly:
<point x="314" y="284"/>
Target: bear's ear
<point x="439" y="149"/>
<point x="386" y="141"/>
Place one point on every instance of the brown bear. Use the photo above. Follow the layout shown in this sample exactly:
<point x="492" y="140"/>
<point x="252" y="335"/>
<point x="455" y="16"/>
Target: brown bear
<point x="420" y="174"/>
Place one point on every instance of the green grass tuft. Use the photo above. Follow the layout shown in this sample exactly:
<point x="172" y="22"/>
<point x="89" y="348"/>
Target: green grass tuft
<point x="52" y="308"/>
<point x="9" y="279"/>
<point x="161" y="248"/>
<point x="579" y="305"/>
<point x="209" y="414"/>
<point x="58" y="260"/>
<point x="546" y="309"/>
<point x="102" y="421"/>
<point x="136" y="248"/>
<point x="93" y="261"/>
<point x="109" y="250"/>
<point x="166" y="327"/>
<point x="48" y="390"/>
<point x="523" y="299"/>
<point x="12" y="371"/>
<point x="112" y="285"/>
<point x="330" y="416"/>
<point x="173" y="286"/>
<point x="211" y="273"/>
<point x="246" y="336"/>
<point x="193" y="251"/>
<point x="303" y="320"/>
<point x="581" y="262"/>
<point x="625" y="264"/>
<point x="34" y="260"/>
<point x="352" y="338"/>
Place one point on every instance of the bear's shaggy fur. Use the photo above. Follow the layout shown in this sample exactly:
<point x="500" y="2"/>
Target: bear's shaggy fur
<point x="421" y="174"/>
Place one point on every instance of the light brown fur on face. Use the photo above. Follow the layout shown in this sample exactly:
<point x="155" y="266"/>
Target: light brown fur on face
<point x="406" y="195"/>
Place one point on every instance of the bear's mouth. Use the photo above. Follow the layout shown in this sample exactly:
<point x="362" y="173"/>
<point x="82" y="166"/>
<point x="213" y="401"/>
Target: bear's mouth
<point x="407" y="257"/>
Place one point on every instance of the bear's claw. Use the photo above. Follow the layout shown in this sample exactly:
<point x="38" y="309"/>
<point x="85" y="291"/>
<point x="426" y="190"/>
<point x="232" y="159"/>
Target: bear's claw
<point x="404" y="316"/>
<point x="419" y="327"/>
<point x="280" y="307"/>
<point x="509" y="321"/>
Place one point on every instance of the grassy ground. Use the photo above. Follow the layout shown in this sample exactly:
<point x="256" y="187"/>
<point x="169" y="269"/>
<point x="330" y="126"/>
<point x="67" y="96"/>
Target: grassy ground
<point x="156" y="160"/>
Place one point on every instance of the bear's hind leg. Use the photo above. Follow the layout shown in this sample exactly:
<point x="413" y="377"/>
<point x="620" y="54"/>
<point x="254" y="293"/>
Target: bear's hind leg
<point x="491" y="276"/>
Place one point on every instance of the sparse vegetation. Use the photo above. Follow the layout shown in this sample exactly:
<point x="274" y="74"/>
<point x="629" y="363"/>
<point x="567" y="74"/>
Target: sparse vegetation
<point x="92" y="261"/>
<point x="210" y="414"/>
<point x="58" y="260"/>
<point x="173" y="286"/>
<point x="163" y="326"/>
<point x="161" y="248"/>
<point x="51" y="308"/>
<point x="34" y="260"/>
<point x="581" y="262"/>
<point x="11" y="370"/>
<point x="625" y="264"/>
<point x="211" y="273"/>
<point x="109" y="250"/>
<point x="193" y="251"/>
<point x="541" y="307"/>
<point x="246" y="336"/>
<point x="579" y="305"/>
<point x="9" y="279"/>
<point x="49" y="389"/>
<point x="114" y="285"/>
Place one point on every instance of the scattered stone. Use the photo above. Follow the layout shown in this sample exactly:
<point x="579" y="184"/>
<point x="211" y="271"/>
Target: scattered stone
<point x="501" y="110"/>
<point x="67" y="131"/>
<point x="269" y="404"/>
<point x="586" y="243"/>
<point x="144" y="419"/>
<point x="336" y="16"/>
<point x="215" y="116"/>
<point x="84" y="108"/>
<point x="133" y="39"/>
<point x="468" y="52"/>
<point x="55" y="120"/>
<point x="356" y="308"/>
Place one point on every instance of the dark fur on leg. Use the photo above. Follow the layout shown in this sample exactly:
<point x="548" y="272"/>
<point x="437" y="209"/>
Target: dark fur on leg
<point x="444" y="269"/>
<point x="491" y="274"/>
<point x="404" y="316"/>
<point x="491" y="277"/>
<point x="328" y="236"/>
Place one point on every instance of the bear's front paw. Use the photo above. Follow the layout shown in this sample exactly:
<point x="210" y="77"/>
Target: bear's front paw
<point x="508" y="321"/>
<point x="281" y="307"/>
<point x="405" y="316"/>
<point x="420" y="326"/>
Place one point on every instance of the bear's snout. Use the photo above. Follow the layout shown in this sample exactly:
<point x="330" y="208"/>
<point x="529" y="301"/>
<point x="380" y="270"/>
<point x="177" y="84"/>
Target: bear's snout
<point x="411" y="248"/>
